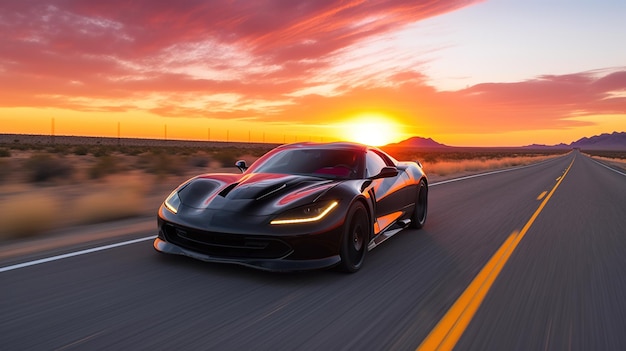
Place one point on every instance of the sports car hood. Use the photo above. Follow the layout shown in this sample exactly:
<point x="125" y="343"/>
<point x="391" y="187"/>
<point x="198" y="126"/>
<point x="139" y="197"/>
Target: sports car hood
<point x="255" y="193"/>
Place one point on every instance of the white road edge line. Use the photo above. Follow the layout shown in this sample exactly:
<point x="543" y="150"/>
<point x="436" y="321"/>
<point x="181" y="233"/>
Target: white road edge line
<point x="106" y="247"/>
<point x="72" y="254"/>
<point x="605" y="166"/>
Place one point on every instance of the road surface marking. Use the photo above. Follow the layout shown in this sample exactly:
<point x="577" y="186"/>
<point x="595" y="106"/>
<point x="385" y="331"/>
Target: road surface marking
<point x="72" y="254"/>
<point x="448" y="331"/>
<point x="542" y="195"/>
<point x="607" y="167"/>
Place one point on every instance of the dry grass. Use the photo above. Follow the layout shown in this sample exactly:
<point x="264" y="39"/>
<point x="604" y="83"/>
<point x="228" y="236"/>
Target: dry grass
<point x="114" y="202"/>
<point x="610" y="159"/>
<point x="28" y="214"/>
<point x="617" y="162"/>
<point x="444" y="168"/>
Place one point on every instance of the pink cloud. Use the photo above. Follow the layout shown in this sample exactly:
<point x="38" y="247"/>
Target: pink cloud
<point x="64" y="53"/>
<point x="84" y="31"/>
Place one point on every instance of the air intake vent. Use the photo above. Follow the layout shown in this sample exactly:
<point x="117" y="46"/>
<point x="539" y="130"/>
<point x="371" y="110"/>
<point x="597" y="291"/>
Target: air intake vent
<point x="228" y="189"/>
<point x="271" y="191"/>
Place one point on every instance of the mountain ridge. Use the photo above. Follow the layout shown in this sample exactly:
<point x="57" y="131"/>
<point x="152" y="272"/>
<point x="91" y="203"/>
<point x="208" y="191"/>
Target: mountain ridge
<point x="615" y="141"/>
<point x="419" y="142"/>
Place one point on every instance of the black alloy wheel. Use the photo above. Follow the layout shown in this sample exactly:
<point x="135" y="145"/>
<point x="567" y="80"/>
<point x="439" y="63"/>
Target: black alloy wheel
<point x="355" y="239"/>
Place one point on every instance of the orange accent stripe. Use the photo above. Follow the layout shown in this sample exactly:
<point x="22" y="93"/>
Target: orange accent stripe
<point x="383" y="222"/>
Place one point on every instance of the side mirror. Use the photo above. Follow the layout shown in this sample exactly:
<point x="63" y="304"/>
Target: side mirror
<point x="241" y="164"/>
<point x="419" y="164"/>
<point x="386" y="172"/>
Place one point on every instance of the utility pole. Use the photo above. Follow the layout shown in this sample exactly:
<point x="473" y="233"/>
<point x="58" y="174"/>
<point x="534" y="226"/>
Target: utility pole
<point x="165" y="132"/>
<point x="118" y="133"/>
<point x="52" y="131"/>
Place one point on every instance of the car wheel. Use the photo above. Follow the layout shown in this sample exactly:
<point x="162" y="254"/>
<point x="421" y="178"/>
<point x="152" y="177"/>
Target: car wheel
<point x="421" y="206"/>
<point x="355" y="239"/>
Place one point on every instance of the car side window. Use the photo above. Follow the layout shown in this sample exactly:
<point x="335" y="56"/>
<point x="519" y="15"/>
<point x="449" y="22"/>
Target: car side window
<point x="373" y="164"/>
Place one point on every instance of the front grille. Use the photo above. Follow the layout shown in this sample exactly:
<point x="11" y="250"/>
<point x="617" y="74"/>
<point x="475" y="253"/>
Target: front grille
<point x="226" y="245"/>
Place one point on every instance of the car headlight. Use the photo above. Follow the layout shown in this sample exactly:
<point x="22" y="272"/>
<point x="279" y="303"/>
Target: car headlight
<point x="172" y="203"/>
<point x="305" y="214"/>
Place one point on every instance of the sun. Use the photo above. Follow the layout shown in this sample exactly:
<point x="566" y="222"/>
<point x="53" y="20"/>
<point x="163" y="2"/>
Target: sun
<point x="371" y="129"/>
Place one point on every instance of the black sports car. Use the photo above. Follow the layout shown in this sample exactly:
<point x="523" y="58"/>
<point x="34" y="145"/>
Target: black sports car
<point x="300" y="206"/>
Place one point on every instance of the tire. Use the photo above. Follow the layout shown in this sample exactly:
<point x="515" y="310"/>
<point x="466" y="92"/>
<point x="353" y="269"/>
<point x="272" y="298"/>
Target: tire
<point x="355" y="239"/>
<point x="418" y="219"/>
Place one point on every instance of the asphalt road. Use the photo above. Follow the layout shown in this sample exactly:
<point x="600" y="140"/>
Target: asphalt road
<point x="560" y="285"/>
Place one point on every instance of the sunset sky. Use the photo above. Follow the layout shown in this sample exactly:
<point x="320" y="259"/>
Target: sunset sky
<point x="463" y="72"/>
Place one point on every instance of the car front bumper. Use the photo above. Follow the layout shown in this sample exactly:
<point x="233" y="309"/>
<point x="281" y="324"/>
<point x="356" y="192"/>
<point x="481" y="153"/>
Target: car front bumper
<point x="267" y="264"/>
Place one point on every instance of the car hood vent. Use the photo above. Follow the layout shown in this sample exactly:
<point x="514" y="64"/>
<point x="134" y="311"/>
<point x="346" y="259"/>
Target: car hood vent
<point x="269" y="192"/>
<point x="263" y="186"/>
<point x="227" y="189"/>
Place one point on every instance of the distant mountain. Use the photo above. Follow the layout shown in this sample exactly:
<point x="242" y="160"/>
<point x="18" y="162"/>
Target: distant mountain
<point x="615" y="142"/>
<point x="547" y="147"/>
<point x="419" y="142"/>
<point x="609" y="142"/>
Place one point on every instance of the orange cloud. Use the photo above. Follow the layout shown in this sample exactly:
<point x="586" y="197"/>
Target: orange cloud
<point x="56" y="50"/>
<point x="267" y="60"/>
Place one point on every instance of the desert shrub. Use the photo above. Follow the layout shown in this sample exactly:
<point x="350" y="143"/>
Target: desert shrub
<point x="227" y="157"/>
<point x="198" y="161"/>
<point x="105" y="165"/>
<point x="131" y="150"/>
<point x="101" y="151"/>
<point x="122" y="201"/>
<point x="43" y="167"/>
<point x="81" y="150"/>
<point x="174" y="151"/>
<point x="621" y="155"/>
<point x="5" y="170"/>
<point x="18" y="146"/>
<point x="185" y="151"/>
<point x="5" y="152"/>
<point x="59" y="149"/>
<point x="161" y="163"/>
<point x="27" y="215"/>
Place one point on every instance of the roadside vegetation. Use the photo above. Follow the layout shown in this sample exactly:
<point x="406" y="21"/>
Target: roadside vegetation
<point x="443" y="163"/>
<point x="609" y="155"/>
<point x="615" y="158"/>
<point x="45" y="186"/>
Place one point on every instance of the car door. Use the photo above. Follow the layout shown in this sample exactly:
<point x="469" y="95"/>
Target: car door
<point x="389" y="194"/>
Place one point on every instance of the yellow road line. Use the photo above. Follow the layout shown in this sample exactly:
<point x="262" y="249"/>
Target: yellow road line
<point x="542" y="195"/>
<point x="448" y="331"/>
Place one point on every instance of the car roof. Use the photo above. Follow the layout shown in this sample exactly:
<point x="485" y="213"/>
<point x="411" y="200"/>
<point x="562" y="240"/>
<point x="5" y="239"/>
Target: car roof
<point x="344" y="145"/>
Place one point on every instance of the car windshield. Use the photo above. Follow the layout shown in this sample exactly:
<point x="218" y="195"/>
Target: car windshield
<point x="341" y="164"/>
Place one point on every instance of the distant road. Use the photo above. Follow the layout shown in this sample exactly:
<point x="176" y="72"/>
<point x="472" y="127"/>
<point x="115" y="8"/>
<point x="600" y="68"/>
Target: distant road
<point x="528" y="259"/>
